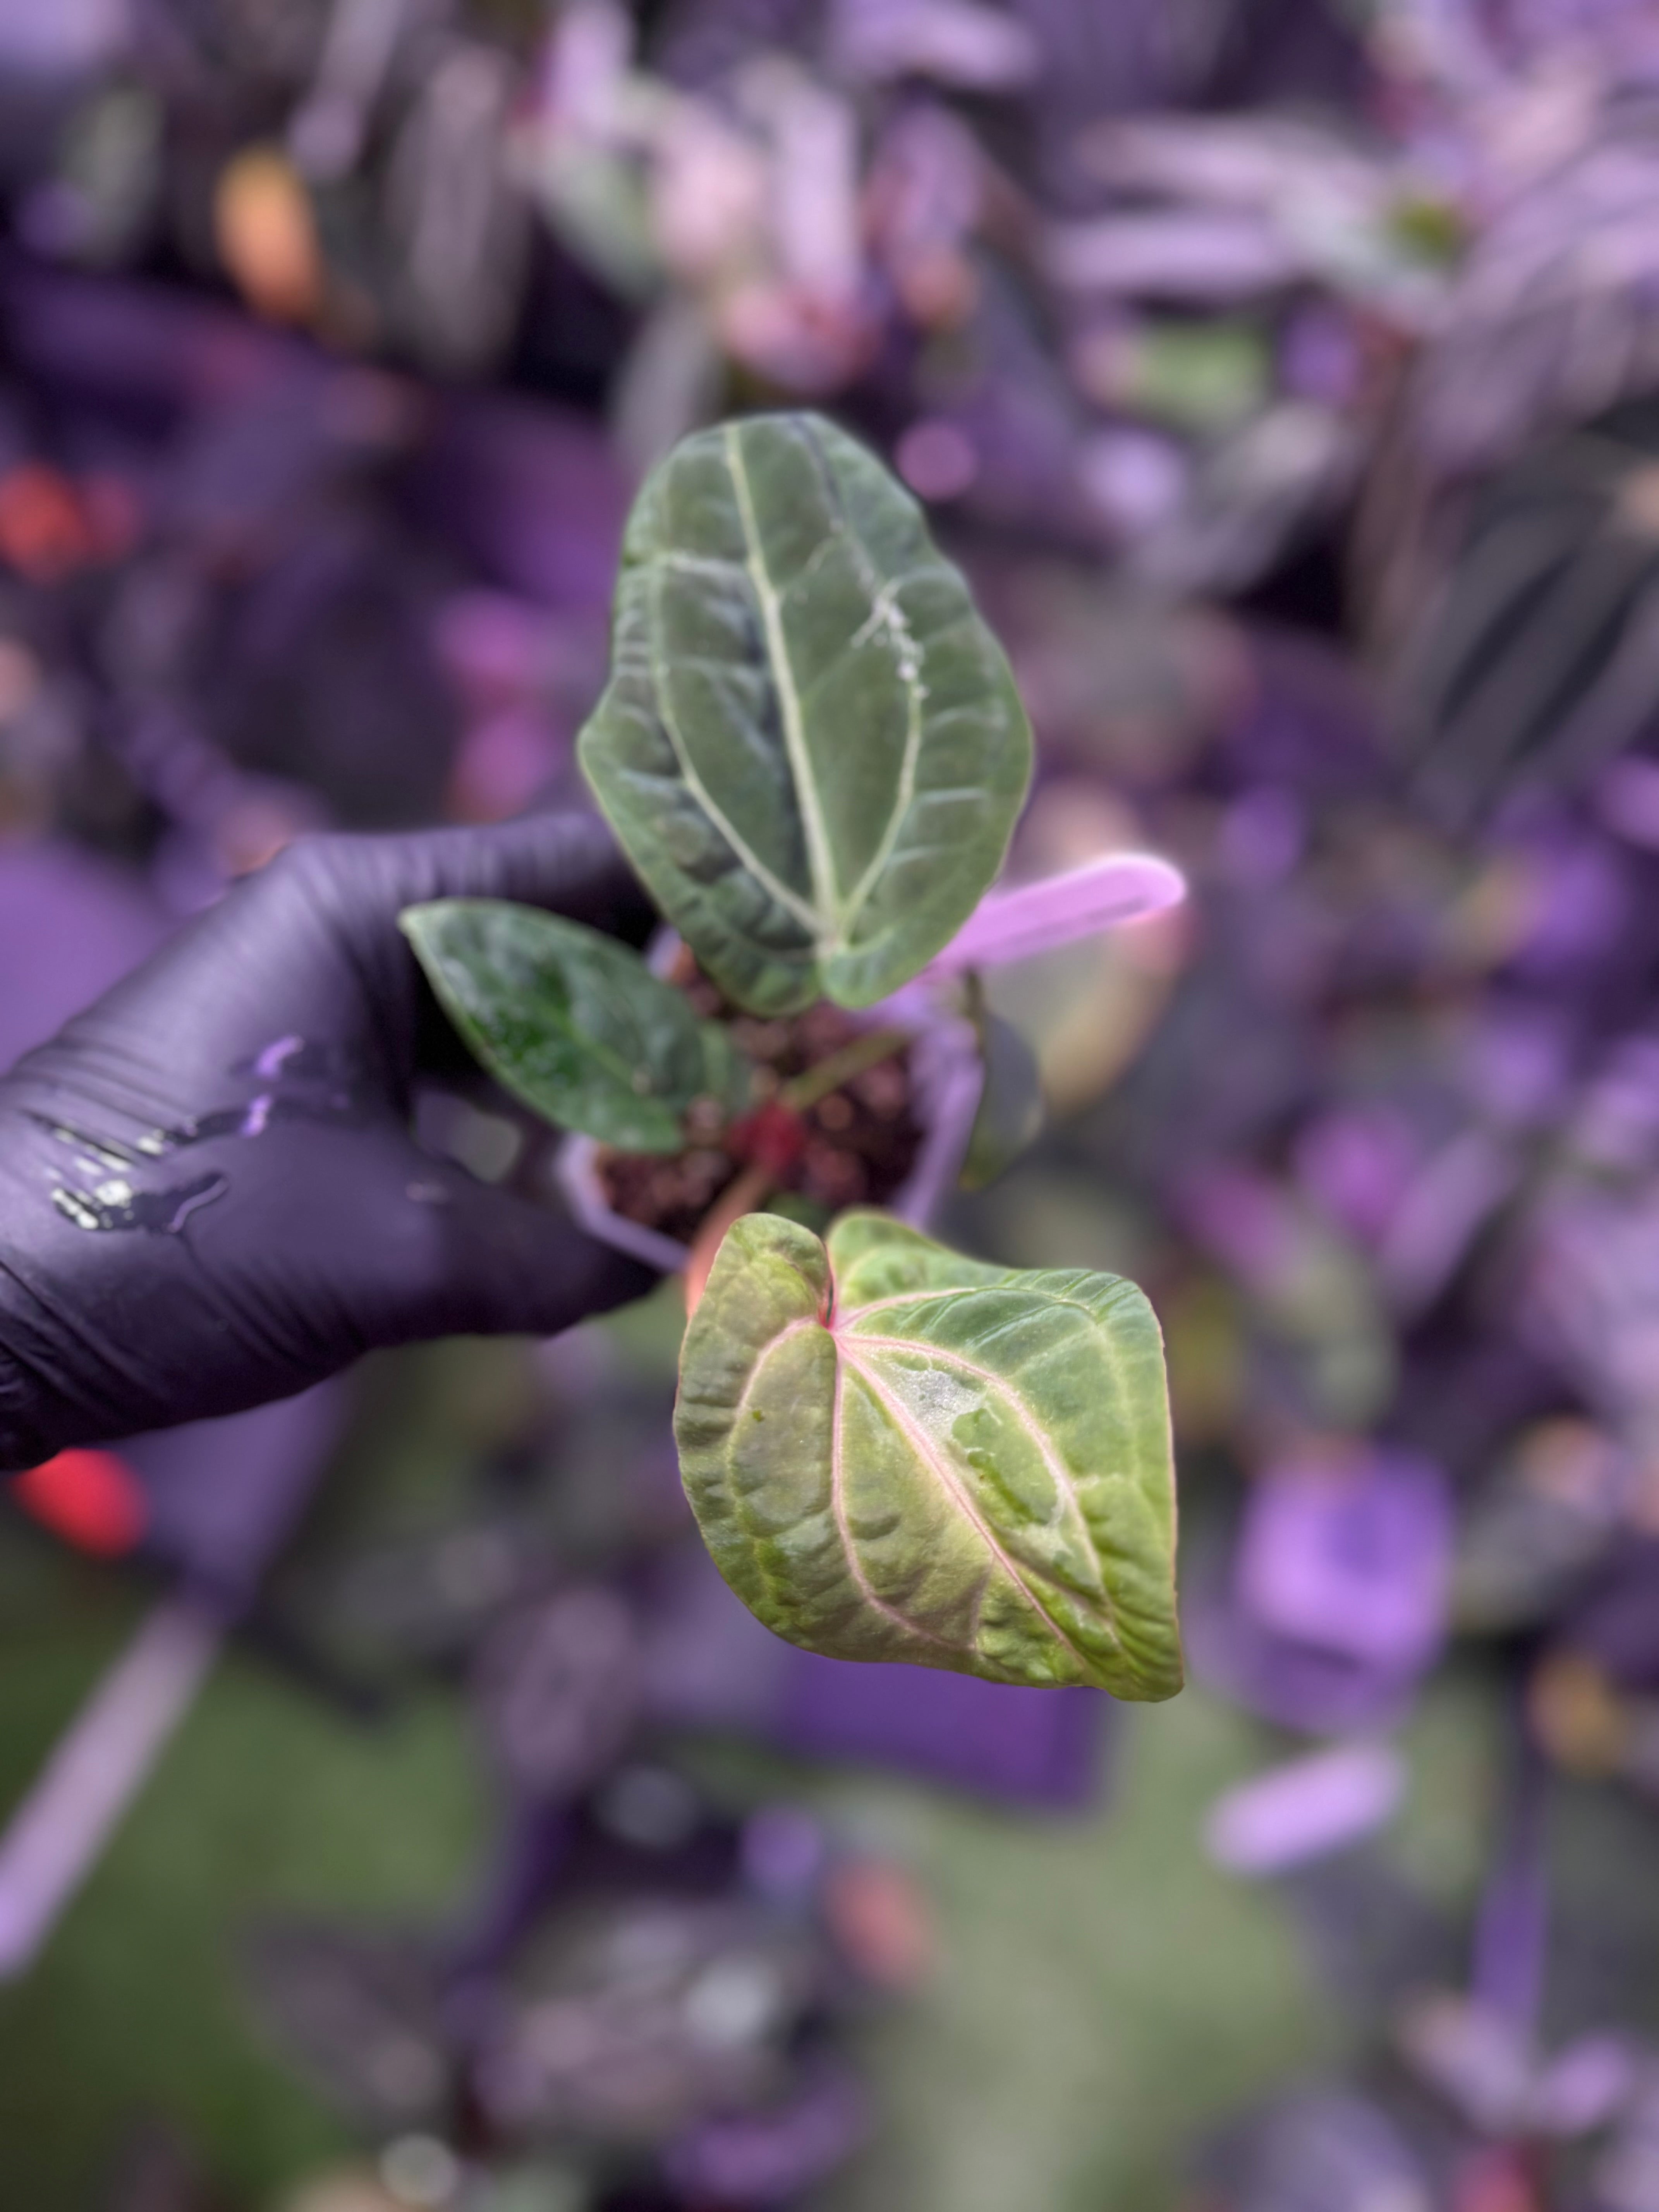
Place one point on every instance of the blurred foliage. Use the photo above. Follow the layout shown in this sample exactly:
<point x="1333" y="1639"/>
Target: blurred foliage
<point x="1283" y="377"/>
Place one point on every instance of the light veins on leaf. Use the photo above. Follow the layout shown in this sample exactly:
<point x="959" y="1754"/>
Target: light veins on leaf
<point x="968" y="1477"/>
<point x="819" y="857"/>
<point x="838" y="1505"/>
<point x="771" y="883"/>
<point x="923" y="1444"/>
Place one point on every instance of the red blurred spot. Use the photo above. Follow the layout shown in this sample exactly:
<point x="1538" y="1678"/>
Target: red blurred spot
<point x="1496" y="2178"/>
<point x="879" y="1919"/>
<point x="43" y="531"/>
<point x="92" y="1499"/>
<point x="772" y="1138"/>
<point x="114" y="516"/>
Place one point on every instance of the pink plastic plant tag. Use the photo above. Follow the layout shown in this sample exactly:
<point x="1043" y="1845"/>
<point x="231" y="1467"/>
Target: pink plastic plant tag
<point x="1102" y="894"/>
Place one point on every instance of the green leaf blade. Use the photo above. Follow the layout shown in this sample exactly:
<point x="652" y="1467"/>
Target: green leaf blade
<point x="571" y="1022"/>
<point x="953" y="1464"/>
<point x="811" y="746"/>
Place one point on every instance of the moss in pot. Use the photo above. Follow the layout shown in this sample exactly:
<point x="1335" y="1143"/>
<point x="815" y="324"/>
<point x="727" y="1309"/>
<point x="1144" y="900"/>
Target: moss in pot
<point x="812" y="750"/>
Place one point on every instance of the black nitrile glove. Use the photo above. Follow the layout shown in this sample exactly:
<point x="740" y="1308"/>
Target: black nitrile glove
<point x="209" y="1193"/>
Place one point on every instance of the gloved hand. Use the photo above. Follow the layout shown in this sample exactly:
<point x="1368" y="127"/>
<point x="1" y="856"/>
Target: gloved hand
<point x="209" y="1195"/>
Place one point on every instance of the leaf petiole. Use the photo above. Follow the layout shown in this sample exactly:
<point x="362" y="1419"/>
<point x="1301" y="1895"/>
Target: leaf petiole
<point x="750" y="1189"/>
<point x="748" y="1192"/>
<point x="854" y="1059"/>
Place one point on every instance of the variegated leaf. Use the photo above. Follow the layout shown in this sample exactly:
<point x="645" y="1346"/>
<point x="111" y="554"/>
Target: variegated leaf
<point x="572" y="1023"/>
<point x="895" y="1453"/>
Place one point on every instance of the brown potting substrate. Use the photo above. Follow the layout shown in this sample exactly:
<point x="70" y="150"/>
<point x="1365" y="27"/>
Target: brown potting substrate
<point x="861" y="1140"/>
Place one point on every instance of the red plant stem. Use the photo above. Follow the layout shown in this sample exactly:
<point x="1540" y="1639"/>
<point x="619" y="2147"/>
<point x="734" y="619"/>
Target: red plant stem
<point x="752" y="1188"/>
<point x="741" y="1196"/>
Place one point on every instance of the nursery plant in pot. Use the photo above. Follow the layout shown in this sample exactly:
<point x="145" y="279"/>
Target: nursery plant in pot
<point x="812" y="752"/>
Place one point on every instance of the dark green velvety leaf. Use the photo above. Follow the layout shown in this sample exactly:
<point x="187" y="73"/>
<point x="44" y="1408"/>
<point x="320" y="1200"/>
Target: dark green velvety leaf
<point x="895" y="1453"/>
<point x="1011" y="1107"/>
<point x="810" y="746"/>
<point x="572" y="1023"/>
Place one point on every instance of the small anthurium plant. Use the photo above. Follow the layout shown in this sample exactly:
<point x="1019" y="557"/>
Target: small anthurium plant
<point x="812" y="752"/>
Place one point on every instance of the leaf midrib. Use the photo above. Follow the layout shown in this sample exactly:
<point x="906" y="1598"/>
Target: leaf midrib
<point x="989" y="1379"/>
<point x="819" y="857"/>
<point x="923" y="1444"/>
<point x="867" y="1589"/>
<point x="768" y="879"/>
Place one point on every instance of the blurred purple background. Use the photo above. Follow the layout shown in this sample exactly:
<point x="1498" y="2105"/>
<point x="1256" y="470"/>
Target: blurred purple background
<point x="1286" y="376"/>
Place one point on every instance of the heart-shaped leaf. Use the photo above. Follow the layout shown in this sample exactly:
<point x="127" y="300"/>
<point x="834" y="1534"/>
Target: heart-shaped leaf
<point x="572" y="1023"/>
<point x="895" y="1453"/>
<point x="810" y="746"/>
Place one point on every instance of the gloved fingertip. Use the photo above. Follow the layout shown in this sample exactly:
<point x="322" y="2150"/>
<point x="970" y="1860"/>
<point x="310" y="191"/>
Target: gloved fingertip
<point x="512" y="1267"/>
<point x="608" y="1279"/>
